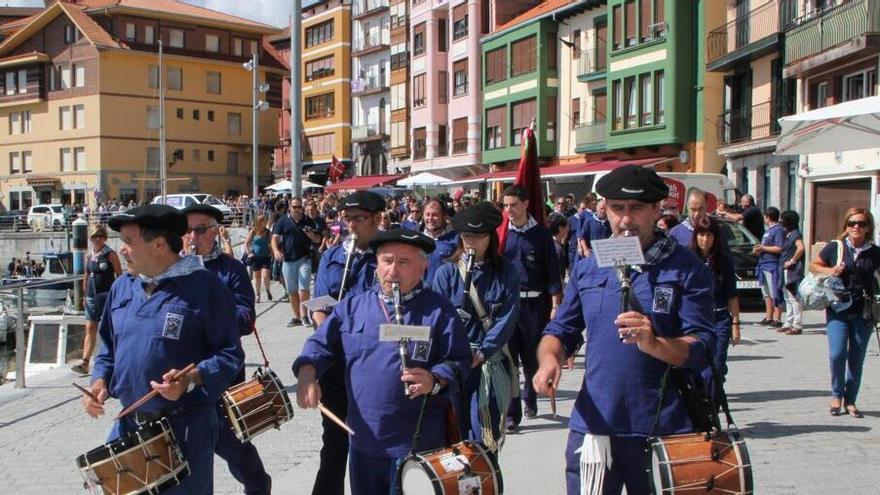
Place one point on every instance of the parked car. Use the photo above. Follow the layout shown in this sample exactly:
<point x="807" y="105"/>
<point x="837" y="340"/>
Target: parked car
<point x="14" y="220"/>
<point x="181" y="201"/>
<point x="741" y="242"/>
<point x="41" y="217"/>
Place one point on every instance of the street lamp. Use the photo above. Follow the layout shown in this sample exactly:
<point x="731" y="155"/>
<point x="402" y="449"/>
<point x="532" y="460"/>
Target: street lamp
<point x="257" y="105"/>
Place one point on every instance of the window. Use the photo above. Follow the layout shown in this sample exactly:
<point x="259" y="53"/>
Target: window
<point x="645" y="20"/>
<point x="660" y="97"/>
<point x="175" y="78"/>
<point x="79" y="158"/>
<point x="320" y="68"/>
<point x="576" y="41"/>
<point x="460" y="77"/>
<point x="443" y="86"/>
<point x="65" y="118"/>
<point x="398" y="97"/>
<point x="617" y="20"/>
<point x="616" y="105"/>
<point x="153" y="77"/>
<point x="575" y="112"/>
<point x="179" y="113"/>
<point x="630" y="102"/>
<point x="320" y="106"/>
<point x="14" y="123"/>
<point x="495" y="119"/>
<point x="522" y="113"/>
<point x="460" y="21"/>
<point x="70" y="33"/>
<point x="459" y="135"/>
<point x="65" y="77"/>
<point x="196" y="155"/>
<point x="26" y="122"/>
<point x="152" y="161"/>
<point x="420" y="146"/>
<point x="149" y="35"/>
<point x="233" y="124"/>
<point x="152" y="117"/>
<point x="232" y="163"/>
<point x="319" y="33"/>
<point x="552" y="114"/>
<point x="496" y="65"/>
<point x="213" y="83"/>
<point x="79" y="116"/>
<point x="236" y="47"/>
<point x="210" y="155"/>
<point x="442" y="36"/>
<point x="419" y="91"/>
<point x="79" y="75"/>
<point x="859" y="85"/>
<point x="399" y="56"/>
<point x="524" y="55"/>
<point x="821" y="94"/>
<point x="419" y="40"/>
<point x="66" y="159"/>
<point x="210" y="115"/>
<point x="14" y="162"/>
<point x="130" y="31"/>
<point x="253" y="45"/>
<point x="22" y="81"/>
<point x="197" y="115"/>
<point x="175" y="38"/>
<point x="321" y="144"/>
<point x="629" y="21"/>
<point x="399" y="135"/>
<point x="792" y="184"/>
<point x="28" y="161"/>
<point x="442" y="141"/>
<point x="552" y="50"/>
<point x="212" y="43"/>
<point x="10" y="83"/>
<point x="646" y="104"/>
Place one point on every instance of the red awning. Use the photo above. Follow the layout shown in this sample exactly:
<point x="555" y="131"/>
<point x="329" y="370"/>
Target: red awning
<point x="364" y="182"/>
<point x="561" y="170"/>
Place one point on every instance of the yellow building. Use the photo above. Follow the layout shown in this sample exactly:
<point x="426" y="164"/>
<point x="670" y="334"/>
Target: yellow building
<point x="79" y="106"/>
<point x="326" y="83"/>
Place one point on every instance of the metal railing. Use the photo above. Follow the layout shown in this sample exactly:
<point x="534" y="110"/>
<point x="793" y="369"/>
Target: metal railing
<point x="590" y="133"/>
<point x="363" y="6"/>
<point x="366" y="131"/>
<point x="761" y="22"/>
<point x="374" y="40"/>
<point x="819" y="31"/>
<point x="370" y="83"/>
<point x="592" y="61"/>
<point x="750" y="123"/>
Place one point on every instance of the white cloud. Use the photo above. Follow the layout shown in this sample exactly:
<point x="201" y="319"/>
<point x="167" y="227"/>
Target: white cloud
<point x="273" y="12"/>
<point x="21" y="3"/>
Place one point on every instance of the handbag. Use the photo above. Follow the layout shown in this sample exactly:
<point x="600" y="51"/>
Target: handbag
<point x="812" y="291"/>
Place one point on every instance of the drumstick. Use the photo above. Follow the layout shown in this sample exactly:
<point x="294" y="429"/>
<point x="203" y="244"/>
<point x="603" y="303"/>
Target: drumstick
<point x="335" y="419"/>
<point x="552" y="394"/>
<point x="87" y="393"/>
<point x="143" y="400"/>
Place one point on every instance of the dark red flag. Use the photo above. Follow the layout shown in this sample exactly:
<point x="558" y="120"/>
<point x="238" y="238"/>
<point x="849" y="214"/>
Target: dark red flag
<point x="528" y="177"/>
<point x="337" y="169"/>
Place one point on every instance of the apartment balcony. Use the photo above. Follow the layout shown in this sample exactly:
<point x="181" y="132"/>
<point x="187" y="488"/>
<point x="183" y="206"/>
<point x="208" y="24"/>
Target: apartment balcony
<point x="590" y="136"/>
<point x="832" y="36"/>
<point x="376" y="42"/>
<point x="592" y="64"/>
<point x="370" y="85"/>
<point x="751" y="128"/>
<point x="459" y="146"/>
<point x="400" y="151"/>
<point x="362" y="9"/>
<point x="368" y="133"/>
<point x="751" y="36"/>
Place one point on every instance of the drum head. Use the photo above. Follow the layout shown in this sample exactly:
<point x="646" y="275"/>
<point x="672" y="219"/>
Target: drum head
<point x="417" y="478"/>
<point x="661" y="475"/>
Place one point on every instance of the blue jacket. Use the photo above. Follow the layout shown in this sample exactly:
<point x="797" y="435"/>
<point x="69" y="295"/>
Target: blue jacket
<point x="533" y="255"/>
<point x="332" y="266"/>
<point x="234" y="276"/>
<point x="445" y="246"/>
<point x="620" y="389"/>
<point x="598" y="229"/>
<point x="383" y="418"/>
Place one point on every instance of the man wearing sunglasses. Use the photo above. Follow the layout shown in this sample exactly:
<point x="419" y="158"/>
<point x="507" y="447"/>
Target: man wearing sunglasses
<point x="292" y="239"/>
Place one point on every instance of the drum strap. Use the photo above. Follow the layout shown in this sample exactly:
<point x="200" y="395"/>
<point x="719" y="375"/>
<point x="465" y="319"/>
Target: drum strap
<point x="418" y="433"/>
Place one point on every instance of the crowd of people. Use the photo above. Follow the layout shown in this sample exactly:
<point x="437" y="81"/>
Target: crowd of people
<point x="494" y="290"/>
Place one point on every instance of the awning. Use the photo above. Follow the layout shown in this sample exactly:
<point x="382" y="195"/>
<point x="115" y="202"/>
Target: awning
<point x="507" y="176"/>
<point x="423" y="179"/>
<point x="560" y="171"/>
<point x="851" y="125"/>
<point x="364" y="182"/>
<point x="42" y="181"/>
<point x="286" y="185"/>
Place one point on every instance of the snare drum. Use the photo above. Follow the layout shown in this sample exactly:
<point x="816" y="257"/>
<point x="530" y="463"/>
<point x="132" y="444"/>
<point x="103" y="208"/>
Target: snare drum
<point x="701" y="463"/>
<point x="466" y="468"/>
<point x="146" y="460"/>
<point x="257" y="405"/>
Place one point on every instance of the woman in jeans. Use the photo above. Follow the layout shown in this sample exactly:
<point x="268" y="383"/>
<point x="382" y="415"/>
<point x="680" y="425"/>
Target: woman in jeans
<point x="259" y="256"/>
<point x="791" y="266"/>
<point x="849" y="325"/>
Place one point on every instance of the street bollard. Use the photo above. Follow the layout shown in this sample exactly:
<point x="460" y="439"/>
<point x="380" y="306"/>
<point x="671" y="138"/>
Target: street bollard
<point x="80" y="244"/>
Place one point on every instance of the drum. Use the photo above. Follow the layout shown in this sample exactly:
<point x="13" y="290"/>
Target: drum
<point x="146" y="460"/>
<point x="257" y="405"/>
<point x="466" y="468"/>
<point x="701" y="463"/>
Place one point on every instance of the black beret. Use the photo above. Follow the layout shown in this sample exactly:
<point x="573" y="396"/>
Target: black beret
<point x="154" y="216"/>
<point x="633" y="182"/>
<point x="363" y="200"/>
<point x="480" y="218"/>
<point x="205" y="210"/>
<point x="402" y="236"/>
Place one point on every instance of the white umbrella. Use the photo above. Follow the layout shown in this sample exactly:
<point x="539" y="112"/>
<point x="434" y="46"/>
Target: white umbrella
<point x="287" y="186"/>
<point x="852" y="125"/>
<point x="423" y="179"/>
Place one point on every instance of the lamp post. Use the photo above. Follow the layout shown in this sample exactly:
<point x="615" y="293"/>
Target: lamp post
<point x="257" y="105"/>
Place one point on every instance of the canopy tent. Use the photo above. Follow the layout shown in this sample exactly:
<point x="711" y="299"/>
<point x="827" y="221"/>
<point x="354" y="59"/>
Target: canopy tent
<point x="287" y="186"/>
<point x="424" y="179"/>
<point x="851" y="125"/>
<point x="363" y="182"/>
<point x="562" y="171"/>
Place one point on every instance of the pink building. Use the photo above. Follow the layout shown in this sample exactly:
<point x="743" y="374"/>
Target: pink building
<point x="445" y="87"/>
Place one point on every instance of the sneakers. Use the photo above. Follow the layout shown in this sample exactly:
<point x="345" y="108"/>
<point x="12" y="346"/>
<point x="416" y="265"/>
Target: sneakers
<point x="530" y="412"/>
<point x="294" y="322"/>
<point x="510" y="426"/>
<point x="306" y="320"/>
<point x="81" y="368"/>
<point x="776" y="324"/>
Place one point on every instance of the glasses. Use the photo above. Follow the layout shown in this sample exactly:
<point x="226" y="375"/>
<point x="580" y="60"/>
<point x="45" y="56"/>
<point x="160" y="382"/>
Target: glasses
<point x="296" y="207"/>
<point x="857" y="223"/>
<point x="200" y="230"/>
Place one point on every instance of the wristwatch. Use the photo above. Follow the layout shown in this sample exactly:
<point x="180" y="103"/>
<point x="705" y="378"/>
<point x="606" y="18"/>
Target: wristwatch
<point x="190" y="386"/>
<point x="437" y="385"/>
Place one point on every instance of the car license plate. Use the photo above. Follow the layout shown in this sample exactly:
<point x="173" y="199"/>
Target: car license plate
<point x="747" y="284"/>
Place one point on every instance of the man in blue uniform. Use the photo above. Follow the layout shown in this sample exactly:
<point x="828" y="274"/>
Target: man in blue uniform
<point x="164" y="314"/>
<point x="383" y="418"/>
<point x="597" y="226"/>
<point x="588" y="204"/>
<point x="696" y="207"/>
<point x="243" y="460"/>
<point x="530" y="249"/>
<point x="438" y="229"/>
<point x="670" y="322"/>
<point x="361" y="213"/>
<point x="768" y="252"/>
<point x="491" y="308"/>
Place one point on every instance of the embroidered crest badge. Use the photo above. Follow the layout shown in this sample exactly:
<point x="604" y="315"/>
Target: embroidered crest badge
<point x="173" y="326"/>
<point x="663" y="300"/>
<point x="421" y="351"/>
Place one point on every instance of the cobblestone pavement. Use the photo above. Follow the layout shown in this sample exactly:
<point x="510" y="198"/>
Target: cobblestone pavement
<point x="779" y="389"/>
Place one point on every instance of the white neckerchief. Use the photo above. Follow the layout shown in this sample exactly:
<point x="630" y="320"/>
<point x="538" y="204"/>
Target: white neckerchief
<point x="531" y="223"/>
<point x="183" y="266"/>
<point x="446" y="230"/>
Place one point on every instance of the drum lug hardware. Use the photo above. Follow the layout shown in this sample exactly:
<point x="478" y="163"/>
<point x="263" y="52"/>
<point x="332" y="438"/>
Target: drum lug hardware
<point x="710" y="483"/>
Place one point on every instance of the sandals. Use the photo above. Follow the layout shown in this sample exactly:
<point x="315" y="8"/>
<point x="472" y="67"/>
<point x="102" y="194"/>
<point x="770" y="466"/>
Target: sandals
<point x="794" y="331"/>
<point x="853" y="411"/>
<point x="835" y="411"/>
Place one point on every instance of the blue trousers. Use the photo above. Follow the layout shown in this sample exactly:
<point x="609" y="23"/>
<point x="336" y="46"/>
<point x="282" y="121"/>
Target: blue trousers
<point x="330" y="479"/>
<point x="243" y="460"/>
<point x="196" y="433"/>
<point x="848" y="337"/>
<point x="469" y="421"/>
<point x="371" y="475"/>
<point x="627" y="469"/>
<point x="534" y="313"/>
<point x="723" y="325"/>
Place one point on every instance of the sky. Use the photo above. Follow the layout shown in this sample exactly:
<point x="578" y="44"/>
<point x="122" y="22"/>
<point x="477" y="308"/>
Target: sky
<point x="273" y="12"/>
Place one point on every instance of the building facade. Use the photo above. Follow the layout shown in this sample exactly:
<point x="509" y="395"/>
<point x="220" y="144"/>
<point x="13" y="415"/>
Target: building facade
<point x="371" y="86"/>
<point x="400" y="111"/>
<point x="79" y="103"/>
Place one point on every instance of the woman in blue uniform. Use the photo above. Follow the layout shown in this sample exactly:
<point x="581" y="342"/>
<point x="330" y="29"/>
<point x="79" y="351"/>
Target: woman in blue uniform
<point x="489" y="324"/>
<point x="102" y="268"/>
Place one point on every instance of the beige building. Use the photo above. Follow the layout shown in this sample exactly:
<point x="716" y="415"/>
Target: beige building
<point x="79" y="102"/>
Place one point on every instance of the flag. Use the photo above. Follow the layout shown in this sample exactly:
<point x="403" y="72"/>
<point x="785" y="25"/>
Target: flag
<point x="337" y="169"/>
<point x="528" y="177"/>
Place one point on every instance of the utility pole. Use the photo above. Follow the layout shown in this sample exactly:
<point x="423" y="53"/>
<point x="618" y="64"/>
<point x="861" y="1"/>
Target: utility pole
<point x="255" y="139"/>
<point x="163" y="171"/>
<point x="295" y="98"/>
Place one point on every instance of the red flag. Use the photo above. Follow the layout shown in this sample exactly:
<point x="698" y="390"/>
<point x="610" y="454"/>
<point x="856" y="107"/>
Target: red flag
<point x="528" y="177"/>
<point x="337" y="169"/>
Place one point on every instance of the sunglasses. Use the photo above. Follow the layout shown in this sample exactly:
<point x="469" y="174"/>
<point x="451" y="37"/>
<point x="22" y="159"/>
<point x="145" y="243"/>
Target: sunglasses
<point x="854" y="223"/>
<point x="200" y="230"/>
